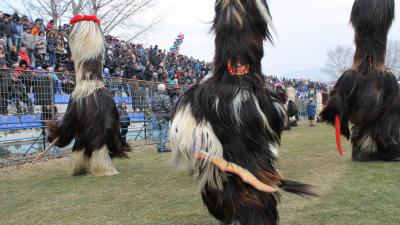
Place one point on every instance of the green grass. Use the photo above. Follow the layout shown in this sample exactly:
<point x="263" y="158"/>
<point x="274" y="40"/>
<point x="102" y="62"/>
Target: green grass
<point x="150" y="191"/>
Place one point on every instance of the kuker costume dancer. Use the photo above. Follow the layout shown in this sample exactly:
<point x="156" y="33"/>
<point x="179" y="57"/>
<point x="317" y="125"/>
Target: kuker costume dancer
<point x="227" y="129"/>
<point x="92" y="118"/>
<point x="367" y="95"/>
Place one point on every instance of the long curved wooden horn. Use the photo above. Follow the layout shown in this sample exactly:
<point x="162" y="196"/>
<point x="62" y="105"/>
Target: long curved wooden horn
<point x="243" y="173"/>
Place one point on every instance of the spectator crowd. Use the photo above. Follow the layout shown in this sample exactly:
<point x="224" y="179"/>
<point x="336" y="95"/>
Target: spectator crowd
<point x="39" y="45"/>
<point x="38" y="54"/>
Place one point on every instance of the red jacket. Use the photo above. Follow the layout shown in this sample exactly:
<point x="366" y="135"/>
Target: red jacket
<point x="25" y="57"/>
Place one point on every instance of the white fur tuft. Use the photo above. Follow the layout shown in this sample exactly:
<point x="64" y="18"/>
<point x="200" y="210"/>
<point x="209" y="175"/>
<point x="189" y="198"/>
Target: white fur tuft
<point x="86" y="88"/>
<point x="265" y="14"/>
<point x="237" y="104"/>
<point x="264" y="118"/>
<point x="274" y="149"/>
<point x="368" y="144"/>
<point x="188" y="138"/>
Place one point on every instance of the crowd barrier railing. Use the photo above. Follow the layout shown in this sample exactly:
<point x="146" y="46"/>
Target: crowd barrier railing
<point x="29" y="99"/>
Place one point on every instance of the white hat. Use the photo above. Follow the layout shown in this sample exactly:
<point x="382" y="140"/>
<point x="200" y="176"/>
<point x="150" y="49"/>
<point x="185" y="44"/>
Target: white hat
<point x="161" y="87"/>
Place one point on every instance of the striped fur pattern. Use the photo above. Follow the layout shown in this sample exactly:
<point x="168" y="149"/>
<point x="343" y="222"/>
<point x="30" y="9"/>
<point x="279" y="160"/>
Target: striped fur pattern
<point x="87" y="48"/>
<point x="234" y="118"/>
<point x="367" y="95"/>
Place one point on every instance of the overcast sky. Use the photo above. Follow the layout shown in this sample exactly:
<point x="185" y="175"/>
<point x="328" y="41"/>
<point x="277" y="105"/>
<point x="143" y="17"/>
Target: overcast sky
<point x="306" y="30"/>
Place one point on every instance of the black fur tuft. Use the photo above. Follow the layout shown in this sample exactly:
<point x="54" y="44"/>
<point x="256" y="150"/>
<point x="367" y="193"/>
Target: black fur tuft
<point x="298" y="188"/>
<point x="371" y="20"/>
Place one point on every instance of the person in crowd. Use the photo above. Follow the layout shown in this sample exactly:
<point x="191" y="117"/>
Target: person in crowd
<point x="35" y="29"/>
<point x="6" y="31"/>
<point x="2" y="44"/>
<point x="50" y="26"/>
<point x="3" y="55"/>
<point x="109" y="60"/>
<point x="17" y="33"/>
<point x="26" y="24"/>
<point x="44" y="89"/>
<point x="41" y="45"/>
<point x="4" y="84"/>
<point x="51" y="48"/>
<point x="311" y="112"/>
<point x="18" y="91"/>
<point x="60" y="48"/>
<point x="29" y="41"/>
<point x="23" y="55"/>
<point x="15" y="16"/>
<point x="106" y="78"/>
<point x="162" y="109"/>
<point x="124" y="120"/>
<point x="136" y="93"/>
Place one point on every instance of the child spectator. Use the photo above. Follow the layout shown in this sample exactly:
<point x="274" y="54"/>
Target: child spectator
<point x="23" y="56"/>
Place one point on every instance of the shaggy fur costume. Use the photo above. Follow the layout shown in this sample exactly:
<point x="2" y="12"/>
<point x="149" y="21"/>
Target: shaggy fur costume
<point x="367" y="95"/>
<point x="231" y="117"/>
<point x="92" y="118"/>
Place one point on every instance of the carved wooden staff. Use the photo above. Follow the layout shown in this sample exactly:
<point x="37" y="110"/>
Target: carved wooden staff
<point x="41" y="155"/>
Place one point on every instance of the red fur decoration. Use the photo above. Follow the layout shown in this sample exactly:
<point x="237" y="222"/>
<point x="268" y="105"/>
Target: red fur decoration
<point x="78" y="18"/>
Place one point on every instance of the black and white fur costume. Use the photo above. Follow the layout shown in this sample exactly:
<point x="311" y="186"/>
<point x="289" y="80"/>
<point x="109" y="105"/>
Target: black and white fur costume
<point x="92" y="118"/>
<point x="367" y="95"/>
<point x="234" y="118"/>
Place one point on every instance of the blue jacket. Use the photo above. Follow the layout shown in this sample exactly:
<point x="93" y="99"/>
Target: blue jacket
<point x="17" y="32"/>
<point x="311" y="109"/>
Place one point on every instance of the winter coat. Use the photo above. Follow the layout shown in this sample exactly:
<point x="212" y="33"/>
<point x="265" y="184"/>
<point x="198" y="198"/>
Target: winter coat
<point x="6" y="29"/>
<point x="17" y="31"/>
<point x="60" y="46"/>
<point x="29" y="41"/>
<point x="51" y="44"/>
<point x="13" y="57"/>
<point x="5" y="77"/>
<point x="124" y="118"/>
<point x="44" y="95"/>
<point x="25" y="57"/>
<point x="161" y="105"/>
<point x="311" y="109"/>
<point x="41" y="45"/>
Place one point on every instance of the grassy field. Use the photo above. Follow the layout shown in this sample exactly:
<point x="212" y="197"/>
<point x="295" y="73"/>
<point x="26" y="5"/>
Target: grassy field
<point x="150" y="191"/>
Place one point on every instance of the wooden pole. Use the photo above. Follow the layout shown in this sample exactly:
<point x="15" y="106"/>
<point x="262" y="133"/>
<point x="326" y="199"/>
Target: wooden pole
<point x="41" y="155"/>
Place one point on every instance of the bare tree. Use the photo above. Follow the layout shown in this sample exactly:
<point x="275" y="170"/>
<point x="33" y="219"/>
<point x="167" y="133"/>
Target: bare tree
<point x="121" y="14"/>
<point x="118" y="15"/>
<point x="393" y="56"/>
<point x="45" y="9"/>
<point x="339" y="60"/>
<point x="77" y="6"/>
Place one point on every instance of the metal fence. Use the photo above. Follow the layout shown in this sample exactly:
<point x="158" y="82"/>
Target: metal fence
<point x="28" y="99"/>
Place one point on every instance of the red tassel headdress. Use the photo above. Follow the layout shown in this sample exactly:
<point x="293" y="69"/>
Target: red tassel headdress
<point x="78" y="18"/>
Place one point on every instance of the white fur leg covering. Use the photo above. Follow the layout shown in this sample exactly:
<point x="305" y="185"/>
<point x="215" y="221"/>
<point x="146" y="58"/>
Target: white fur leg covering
<point x="100" y="163"/>
<point x="78" y="163"/>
